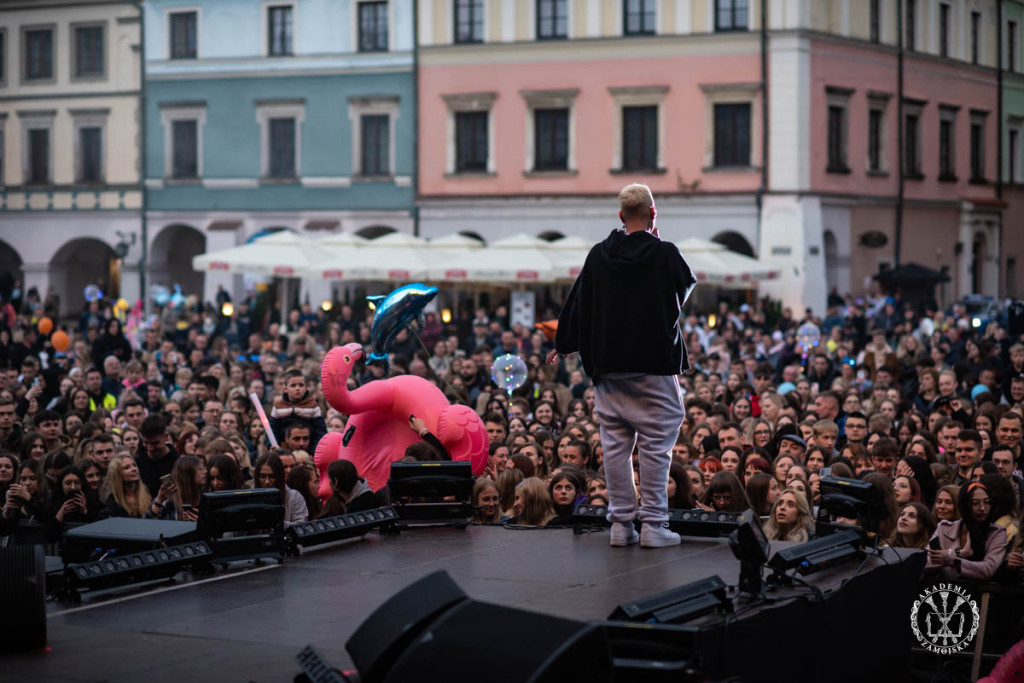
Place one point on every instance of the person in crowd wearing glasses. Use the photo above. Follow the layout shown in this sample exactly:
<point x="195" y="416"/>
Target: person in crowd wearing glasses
<point x="970" y="548"/>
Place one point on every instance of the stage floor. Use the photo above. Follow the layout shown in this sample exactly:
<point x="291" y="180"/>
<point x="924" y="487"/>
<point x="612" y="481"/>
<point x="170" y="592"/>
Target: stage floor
<point x="248" y="623"/>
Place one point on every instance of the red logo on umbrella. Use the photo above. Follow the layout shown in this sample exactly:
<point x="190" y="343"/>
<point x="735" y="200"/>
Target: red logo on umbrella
<point x="284" y="270"/>
<point x="219" y="265"/>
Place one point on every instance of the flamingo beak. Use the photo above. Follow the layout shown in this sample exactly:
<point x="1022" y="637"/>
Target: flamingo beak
<point x="358" y="354"/>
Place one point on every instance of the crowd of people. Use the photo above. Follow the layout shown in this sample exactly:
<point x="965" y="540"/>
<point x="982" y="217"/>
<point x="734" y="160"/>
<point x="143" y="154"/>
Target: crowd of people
<point x="926" y="407"/>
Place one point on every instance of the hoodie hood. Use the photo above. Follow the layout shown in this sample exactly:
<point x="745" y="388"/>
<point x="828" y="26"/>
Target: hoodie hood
<point x="625" y="252"/>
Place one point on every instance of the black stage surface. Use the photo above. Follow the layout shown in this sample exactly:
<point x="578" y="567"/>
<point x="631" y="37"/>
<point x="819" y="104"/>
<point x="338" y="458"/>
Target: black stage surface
<point x="248" y="623"/>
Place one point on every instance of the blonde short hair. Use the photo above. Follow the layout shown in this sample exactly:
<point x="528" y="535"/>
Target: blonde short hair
<point x="635" y="200"/>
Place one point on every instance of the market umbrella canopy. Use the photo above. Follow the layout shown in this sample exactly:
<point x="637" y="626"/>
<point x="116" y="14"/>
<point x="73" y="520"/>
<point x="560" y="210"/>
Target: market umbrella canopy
<point x="568" y="254"/>
<point x="283" y="254"/>
<point x="517" y="258"/>
<point x="712" y="263"/>
<point x="395" y="256"/>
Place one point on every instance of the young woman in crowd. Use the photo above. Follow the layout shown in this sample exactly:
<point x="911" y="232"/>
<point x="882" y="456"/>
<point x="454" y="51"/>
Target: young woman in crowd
<point x="790" y="518"/>
<point x="304" y="479"/>
<point x="8" y="473"/>
<point x="680" y="493"/>
<point x="486" y="502"/>
<point x="223" y="474"/>
<point x="762" y="492"/>
<point x="348" y="486"/>
<point x="69" y="503"/>
<point x="533" y="505"/>
<point x="724" y="494"/>
<point x="973" y="547"/>
<point x="270" y="475"/>
<point x="128" y="496"/>
<point x="914" y="527"/>
<point x="907" y="489"/>
<point x="26" y="497"/>
<point x="947" y="506"/>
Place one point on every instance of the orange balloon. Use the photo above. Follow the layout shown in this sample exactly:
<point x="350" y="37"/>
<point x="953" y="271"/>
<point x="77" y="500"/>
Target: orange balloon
<point x="45" y="326"/>
<point x="60" y="340"/>
<point x="549" y="328"/>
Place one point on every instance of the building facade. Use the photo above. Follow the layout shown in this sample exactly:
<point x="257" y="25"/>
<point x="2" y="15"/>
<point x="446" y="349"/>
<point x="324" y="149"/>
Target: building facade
<point x="70" y="194"/>
<point x="842" y="131"/>
<point x="261" y="116"/>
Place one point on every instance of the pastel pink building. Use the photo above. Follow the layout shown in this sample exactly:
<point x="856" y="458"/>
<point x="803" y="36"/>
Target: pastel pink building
<point x="783" y="143"/>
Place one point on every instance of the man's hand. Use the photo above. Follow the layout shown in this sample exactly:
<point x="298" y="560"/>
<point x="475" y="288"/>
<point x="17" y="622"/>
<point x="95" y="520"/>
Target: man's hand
<point x="552" y="357"/>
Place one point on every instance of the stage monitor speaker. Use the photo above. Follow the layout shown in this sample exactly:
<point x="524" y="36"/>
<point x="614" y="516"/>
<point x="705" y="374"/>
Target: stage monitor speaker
<point x="677" y="605"/>
<point x="387" y="632"/>
<point x="23" y="596"/>
<point x="476" y="641"/>
<point x="124" y="535"/>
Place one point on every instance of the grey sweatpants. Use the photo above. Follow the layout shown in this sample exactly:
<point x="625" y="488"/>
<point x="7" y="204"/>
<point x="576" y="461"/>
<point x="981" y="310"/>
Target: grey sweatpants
<point x="642" y="410"/>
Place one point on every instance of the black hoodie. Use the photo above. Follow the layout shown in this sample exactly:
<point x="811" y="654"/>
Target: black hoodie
<point x="622" y="313"/>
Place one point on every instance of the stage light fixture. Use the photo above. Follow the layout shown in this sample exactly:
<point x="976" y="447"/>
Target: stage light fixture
<point x="751" y="547"/>
<point x="149" y="565"/>
<point x="590" y="515"/>
<point x="432" y="492"/>
<point x="817" y="554"/>
<point x="677" y="605"/>
<point x="329" y="529"/>
<point x="259" y="513"/>
<point x="700" y="522"/>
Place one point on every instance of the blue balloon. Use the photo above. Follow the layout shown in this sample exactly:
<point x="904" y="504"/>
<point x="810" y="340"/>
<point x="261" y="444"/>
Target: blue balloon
<point x="394" y="312"/>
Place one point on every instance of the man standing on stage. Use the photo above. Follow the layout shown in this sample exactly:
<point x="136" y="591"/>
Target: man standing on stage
<point x="622" y="316"/>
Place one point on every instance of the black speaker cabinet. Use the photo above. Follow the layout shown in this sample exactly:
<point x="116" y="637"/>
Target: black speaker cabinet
<point x="386" y="633"/>
<point x="476" y="641"/>
<point x="23" y="596"/>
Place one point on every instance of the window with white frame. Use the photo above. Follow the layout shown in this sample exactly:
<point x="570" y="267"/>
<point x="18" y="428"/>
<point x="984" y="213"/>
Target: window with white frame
<point x="373" y="135"/>
<point x="37" y="147"/>
<point x="910" y="25"/>
<point x="373" y="26"/>
<point x="90" y="130"/>
<point x="944" y="29"/>
<point x="89" y="52"/>
<point x="947" y="142"/>
<point x="975" y="37"/>
<point x="912" y="113"/>
<point x="468" y="21"/>
<point x="1013" y="160"/>
<point x="639" y="128"/>
<point x="837" y="129"/>
<point x="3" y="56"/>
<point x="731" y="15"/>
<point x="875" y="21"/>
<point x="183" y="140"/>
<point x="550" y="135"/>
<point x="470" y="133"/>
<point x="38" y="54"/>
<point x="877" y="147"/>
<point x="978" y="118"/>
<point x="183" y="40"/>
<point x="640" y="17"/>
<point x="280" y="138"/>
<point x="731" y="116"/>
<point x="552" y="19"/>
<point x="279" y="30"/>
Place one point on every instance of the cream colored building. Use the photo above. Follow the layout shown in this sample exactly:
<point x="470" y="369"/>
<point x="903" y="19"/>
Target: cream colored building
<point x="69" y="147"/>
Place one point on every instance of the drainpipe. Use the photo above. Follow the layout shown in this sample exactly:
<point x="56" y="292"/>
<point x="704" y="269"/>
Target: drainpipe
<point x="415" y="117"/>
<point x="144" y="227"/>
<point x="999" y="144"/>
<point x="900" y="151"/>
<point x="764" y="121"/>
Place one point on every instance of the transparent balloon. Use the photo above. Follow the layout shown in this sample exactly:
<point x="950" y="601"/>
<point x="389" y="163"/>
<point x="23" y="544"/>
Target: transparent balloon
<point x="808" y="336"/>
<point x="93" y="293"/>
<point x="508" y="372"/>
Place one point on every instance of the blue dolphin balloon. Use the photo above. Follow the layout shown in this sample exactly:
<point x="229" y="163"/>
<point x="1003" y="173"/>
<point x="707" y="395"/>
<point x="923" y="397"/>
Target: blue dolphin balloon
<point x="395" y="311"/>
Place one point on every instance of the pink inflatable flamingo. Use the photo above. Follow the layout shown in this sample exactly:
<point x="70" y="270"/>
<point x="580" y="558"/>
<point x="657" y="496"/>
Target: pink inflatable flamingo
<point x="378" y="426"/>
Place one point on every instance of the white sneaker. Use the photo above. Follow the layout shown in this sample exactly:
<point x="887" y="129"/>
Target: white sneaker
<point x="623" y="534"/>
<point x="657" y="536"/>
